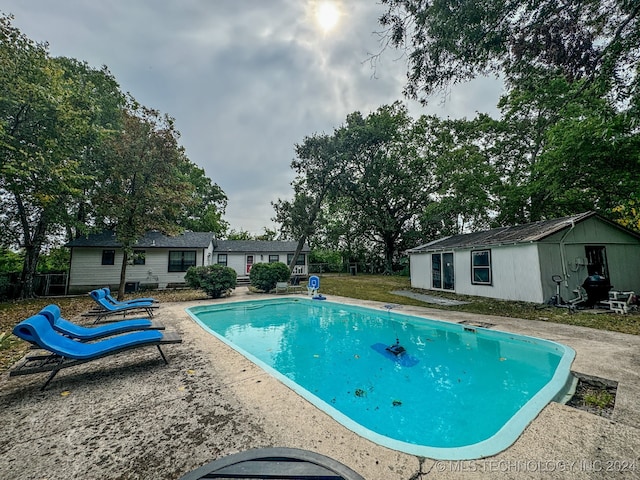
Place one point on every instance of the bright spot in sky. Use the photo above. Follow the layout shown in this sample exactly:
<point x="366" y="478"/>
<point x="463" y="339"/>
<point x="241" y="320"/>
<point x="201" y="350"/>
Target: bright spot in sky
<point x="327" y="15"/>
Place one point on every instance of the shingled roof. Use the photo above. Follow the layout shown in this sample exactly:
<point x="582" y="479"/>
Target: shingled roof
<point x="256" y="246"/>
<point x="150" y="240"/>
<point x="526" y="233"/>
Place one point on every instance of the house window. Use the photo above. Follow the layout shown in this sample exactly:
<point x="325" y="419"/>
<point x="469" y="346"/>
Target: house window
<point x="299" y="261"/>
<point x="139" y="257"/>
<point x="108" y="257"/>
<point x="222" y="259"/>
<point x="181" y="261"/>
<point x="481" y="267"/>
<point x="274" y="258"/>
<point x="442" y="276"/>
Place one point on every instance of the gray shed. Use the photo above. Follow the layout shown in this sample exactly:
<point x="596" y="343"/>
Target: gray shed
<point x="518" y="262"/>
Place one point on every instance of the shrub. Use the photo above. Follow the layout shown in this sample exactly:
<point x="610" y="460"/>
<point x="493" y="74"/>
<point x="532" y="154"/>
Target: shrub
<point x="215" y="280"/>
<point x="264" y="276"/>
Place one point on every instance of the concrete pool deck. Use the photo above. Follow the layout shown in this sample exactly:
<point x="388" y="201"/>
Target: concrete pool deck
<point x="130" y="416"/>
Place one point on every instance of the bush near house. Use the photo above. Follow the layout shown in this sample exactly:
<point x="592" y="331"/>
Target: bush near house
<point x="264" y="276"/>
<point x="215" y="280"/>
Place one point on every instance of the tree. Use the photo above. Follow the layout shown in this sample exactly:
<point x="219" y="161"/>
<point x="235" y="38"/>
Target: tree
<point x="390" y="176"/>
<point x="590" y="161"/>
<point x="204" y="213"/>
<point x="48" y="123"/>
<point x="239" y="235"/>
<point x="449" y="42"/>
<point x="268" y="235"/>
<point x="144" y="183"/>
<point x="319" y="170"/>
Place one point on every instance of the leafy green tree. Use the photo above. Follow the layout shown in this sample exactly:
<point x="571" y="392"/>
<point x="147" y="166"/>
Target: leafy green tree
<point x="450" y="42"/>
<point x="268" y="235"/>
<point x="55" y="260"/>
<point x="628" y="214"/>
<point x="215" y="280"/>
<point x="331" y="260"/>
<point x="143" y="185"/>
<point x="239" y="235"/>
<point x="48" y="122"/>
<point x="319" y="168"/>
<point x="589" y="162"/>
<point x="204" y="212"/>
<point x="561" y="149"/>
<point x="390" y="181"/>
<point x="10" y="261"/>
<point x="464" y="176"/>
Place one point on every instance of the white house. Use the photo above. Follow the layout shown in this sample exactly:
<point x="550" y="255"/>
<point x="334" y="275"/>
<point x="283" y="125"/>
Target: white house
<point x="242" y="254"/>
<point x="161" y="261"/>
<point x="517" y="263"/>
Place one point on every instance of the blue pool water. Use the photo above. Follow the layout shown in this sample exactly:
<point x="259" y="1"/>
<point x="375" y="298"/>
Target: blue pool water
<point x="457" y="392"/>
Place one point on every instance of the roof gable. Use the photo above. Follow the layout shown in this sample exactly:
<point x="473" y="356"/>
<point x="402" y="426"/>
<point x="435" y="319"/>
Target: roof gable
<point x="526" y="233"/>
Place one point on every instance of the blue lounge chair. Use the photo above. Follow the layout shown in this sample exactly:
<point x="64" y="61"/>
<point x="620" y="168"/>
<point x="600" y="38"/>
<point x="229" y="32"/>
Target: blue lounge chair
<point x="78" y="332"/>
<point x="109" y="297"/>
<point x="105" y="308"/>
<point x="65" y="352"/>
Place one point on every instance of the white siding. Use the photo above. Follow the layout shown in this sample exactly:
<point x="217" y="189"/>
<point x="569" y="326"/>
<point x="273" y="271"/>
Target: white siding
<point x="87" y="272"/>
<point x="515" y="271"/>
<point x="238" y="262"/>
<point x="420" y="268"/>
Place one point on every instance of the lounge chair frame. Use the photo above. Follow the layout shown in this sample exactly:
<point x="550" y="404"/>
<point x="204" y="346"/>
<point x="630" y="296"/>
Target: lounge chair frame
<point x="105" y="309"/>
<point x="54" y="363"/>
<point x="65" y="352"/>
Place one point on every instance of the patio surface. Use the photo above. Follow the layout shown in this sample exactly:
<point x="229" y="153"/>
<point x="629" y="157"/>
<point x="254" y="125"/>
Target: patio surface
<point x="130" y="416"/>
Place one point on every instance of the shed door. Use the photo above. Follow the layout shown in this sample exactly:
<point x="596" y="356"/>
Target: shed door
<point x="442" y="275"/>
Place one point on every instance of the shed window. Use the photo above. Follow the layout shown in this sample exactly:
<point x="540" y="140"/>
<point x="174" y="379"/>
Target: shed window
<point x="108" y="257"/>
<point x="181" y="261"/>
<point x="222" y="259"/>
<point x="274" y="258"/>
<point x="596" y="260"/>
<point x="481" y="267"/>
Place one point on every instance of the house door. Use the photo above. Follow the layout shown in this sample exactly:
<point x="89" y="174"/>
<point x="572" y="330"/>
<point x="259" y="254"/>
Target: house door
<point x="249" y="263"/>
<point x="442" y="274"/>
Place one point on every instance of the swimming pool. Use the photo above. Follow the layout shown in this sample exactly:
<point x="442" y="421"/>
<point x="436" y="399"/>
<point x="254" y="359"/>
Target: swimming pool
<point x="458" y="392"/>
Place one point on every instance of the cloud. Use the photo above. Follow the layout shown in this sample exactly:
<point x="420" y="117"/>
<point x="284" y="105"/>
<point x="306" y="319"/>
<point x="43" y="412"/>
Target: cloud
<point x="245" y="80"/>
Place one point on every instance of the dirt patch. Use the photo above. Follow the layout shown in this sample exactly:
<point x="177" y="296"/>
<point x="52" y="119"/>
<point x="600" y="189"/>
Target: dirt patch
<point x="594" y="395"/>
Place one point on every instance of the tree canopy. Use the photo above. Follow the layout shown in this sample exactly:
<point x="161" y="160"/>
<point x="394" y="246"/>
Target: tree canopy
<point x="77" y="155"/>
<point x="597" y="41"/>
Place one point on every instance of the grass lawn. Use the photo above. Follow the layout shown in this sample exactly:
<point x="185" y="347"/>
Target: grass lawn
<point x="365" y="287"/>
<point x="370" y="287"/>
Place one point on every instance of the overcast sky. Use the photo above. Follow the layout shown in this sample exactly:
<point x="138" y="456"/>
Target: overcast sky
<point x="245" y="79"/>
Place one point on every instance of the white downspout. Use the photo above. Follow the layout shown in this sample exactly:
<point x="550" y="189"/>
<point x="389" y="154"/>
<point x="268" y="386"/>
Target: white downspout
<point x="565" y="274"/>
